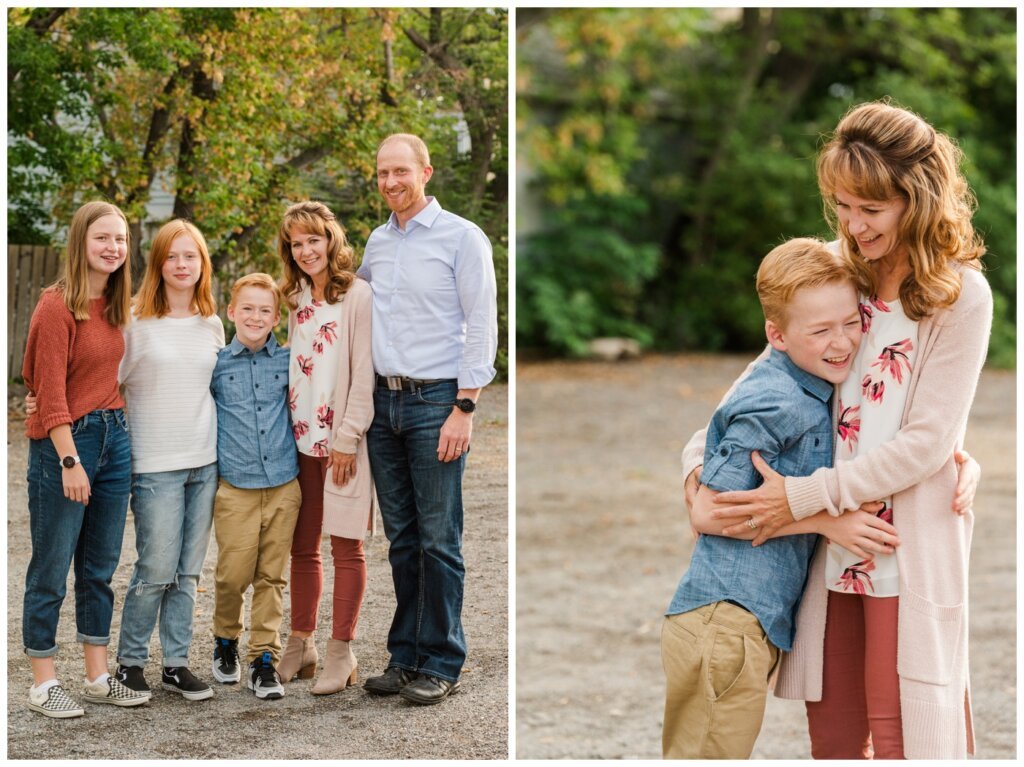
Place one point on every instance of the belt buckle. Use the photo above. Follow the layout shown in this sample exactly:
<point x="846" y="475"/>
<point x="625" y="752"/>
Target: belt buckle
<point x="394" y="382"/>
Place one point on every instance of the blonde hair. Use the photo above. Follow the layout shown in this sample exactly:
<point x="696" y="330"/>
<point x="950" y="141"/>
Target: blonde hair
<point x="257" y="280"/>
<point x="315" y="218"/>
<point x="883" y="152"/>
<point x="74" y="282"/>
<point x="151" y="300"/>
<point x="414" y="142"/>
<point x="803" y="262"/>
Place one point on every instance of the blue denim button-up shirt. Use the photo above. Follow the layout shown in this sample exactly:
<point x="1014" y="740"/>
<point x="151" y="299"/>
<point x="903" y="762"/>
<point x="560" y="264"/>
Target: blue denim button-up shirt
<point x="783" y="412"/>
<point x="435" y="311"/>
<point x="255" y="444"/>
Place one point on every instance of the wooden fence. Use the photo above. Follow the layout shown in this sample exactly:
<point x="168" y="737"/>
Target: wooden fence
<point x="30" y="268"/>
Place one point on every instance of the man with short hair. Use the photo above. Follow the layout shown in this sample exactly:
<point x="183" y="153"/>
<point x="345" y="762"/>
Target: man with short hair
<point x="435" y="336"/>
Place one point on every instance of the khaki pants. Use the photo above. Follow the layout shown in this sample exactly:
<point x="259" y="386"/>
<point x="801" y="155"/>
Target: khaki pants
<point x="254" y="537"/>
<point x="718" y="662"/>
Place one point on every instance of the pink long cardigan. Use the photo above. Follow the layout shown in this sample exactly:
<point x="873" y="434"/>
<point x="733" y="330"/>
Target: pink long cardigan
<point x="348" y="510"/>
<point x="918" y="469"/>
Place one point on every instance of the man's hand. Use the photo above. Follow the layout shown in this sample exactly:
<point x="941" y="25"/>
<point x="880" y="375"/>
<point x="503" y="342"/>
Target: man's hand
<point x="766" y="507"/>
<point x="455" y="434"/>
<point x="968" y="477"/>
<point x="860" y="532"/>
<point x="343" y="467"/>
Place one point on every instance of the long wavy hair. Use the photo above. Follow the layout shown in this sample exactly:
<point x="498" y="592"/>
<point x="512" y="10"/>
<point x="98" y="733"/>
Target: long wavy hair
<point x="881" y="152"/>
<point x="151" y="300"/>
<point x="314" y="217"/>
<point x="74" y="283"/>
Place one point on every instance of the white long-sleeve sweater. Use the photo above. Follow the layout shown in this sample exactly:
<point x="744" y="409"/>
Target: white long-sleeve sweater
<point x="166" y="371"/>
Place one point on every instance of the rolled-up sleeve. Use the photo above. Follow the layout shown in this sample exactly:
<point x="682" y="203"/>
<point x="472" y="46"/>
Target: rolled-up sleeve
<point x="478" y="295"/>
<point x="728" y="465"/>
<point x="47" y="355"/>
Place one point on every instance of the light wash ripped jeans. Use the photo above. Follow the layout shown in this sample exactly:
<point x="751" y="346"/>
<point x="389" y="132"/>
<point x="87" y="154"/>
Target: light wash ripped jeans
<point x="173" y="516"/>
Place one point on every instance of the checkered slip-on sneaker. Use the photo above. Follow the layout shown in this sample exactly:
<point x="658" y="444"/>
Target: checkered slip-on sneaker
<point x="111" y="691"/>
<point x="54" y="702"/>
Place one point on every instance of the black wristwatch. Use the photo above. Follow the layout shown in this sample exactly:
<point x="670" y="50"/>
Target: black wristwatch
<point x="466" y="405"/>
<point x="70" y="461"/>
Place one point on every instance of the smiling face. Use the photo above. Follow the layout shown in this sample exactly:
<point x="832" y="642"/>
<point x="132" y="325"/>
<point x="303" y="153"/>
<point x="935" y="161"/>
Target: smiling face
<point x="309" y="250"/>
<point x="184" y="264"/>
<point x="822" y="330"/>
<point x="873" y="224"/>
<point x="106" y="245"/>
<point x="255" y="312"/>
<point x="402" y="179"/>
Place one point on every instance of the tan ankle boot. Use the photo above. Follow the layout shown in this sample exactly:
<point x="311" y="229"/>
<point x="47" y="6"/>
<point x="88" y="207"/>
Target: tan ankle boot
<point x="299" y="657"/>
<point x="340" y="668"/>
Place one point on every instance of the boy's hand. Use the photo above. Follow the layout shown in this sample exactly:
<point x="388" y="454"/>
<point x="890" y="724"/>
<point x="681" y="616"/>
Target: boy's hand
<point x="861" y="533"/>
<point x="968" y="477"/>
<point x="30" y="404"/>
<point x="343" y="467"/>
<point x="767" y="506"/>
<point x="690" y="487"/>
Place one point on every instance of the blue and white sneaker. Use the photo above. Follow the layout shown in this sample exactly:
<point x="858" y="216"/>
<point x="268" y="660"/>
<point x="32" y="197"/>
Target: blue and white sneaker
<point x="225" y="661"/>
<point x="263" y="678"/>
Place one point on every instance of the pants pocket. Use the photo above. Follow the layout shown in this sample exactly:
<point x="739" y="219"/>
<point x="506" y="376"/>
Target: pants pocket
<point x="725" y="663"/>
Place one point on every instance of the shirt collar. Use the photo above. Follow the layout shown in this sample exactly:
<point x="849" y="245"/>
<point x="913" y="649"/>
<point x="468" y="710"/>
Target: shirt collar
<point x="816" y="387"/>
<point x="425" y="217"/>
<point x="270" y="347"/>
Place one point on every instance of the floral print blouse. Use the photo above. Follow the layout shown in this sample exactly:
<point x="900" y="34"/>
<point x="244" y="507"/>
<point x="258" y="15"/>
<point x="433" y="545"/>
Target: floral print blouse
<point x="312" y="375"/>
<point x="871" y="403"/>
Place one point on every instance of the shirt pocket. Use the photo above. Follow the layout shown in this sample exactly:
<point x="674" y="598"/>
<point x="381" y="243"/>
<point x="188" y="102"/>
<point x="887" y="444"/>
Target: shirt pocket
<point x="232" y="388"/>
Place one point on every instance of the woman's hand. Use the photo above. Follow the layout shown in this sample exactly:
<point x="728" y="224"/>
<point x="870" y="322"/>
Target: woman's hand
<point x="860" y="532"/>
<point x="30" y="404"/>
<point x="342" y="466"/>
<point x="76" y="484"/>
<point x="691" y="485"/>
<point x="968" y="477"/>
<point x="766" y="506"/>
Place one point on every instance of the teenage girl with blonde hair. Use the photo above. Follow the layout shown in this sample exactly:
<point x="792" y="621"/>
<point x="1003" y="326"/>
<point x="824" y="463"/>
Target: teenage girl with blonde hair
<point x="79" y="457"/>
<point x="331" y="382"/>
<point x="881" y="647"/>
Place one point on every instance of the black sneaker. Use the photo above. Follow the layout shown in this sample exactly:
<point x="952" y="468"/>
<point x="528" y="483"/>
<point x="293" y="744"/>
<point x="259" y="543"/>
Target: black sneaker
<point x="133" y="678"/>
<point x="225" y="661"/>
<point x="263" y="678"/>
<point x="179" y="679"/>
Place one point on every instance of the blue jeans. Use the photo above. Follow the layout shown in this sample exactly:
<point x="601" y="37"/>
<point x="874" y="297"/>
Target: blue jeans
<point x="63" y="530"/>
<point x="173" y="517"/>
<point x="421" y="504"/>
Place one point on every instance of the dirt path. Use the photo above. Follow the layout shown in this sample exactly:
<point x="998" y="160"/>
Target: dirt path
<point x="233" y="724"/>
<point x="602" y="539"/>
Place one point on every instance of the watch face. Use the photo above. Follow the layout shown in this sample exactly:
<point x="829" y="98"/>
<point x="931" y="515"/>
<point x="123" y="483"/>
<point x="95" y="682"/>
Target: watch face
<point x="69" y="462"/>
<point x="466" y="405"/>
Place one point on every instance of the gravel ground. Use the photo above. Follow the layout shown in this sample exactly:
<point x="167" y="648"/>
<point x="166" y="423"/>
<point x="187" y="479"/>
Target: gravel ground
<point x="234" y="724"/>
<point x="602" y="540"/>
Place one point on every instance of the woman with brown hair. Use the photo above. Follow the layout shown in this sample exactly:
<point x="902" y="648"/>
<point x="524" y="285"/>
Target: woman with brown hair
<point x="880" y="653"/>
<point x="331" y="382"/>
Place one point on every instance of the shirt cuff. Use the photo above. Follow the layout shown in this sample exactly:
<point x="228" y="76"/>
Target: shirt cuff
<point x="476" y="378"/>
<point x="802" y="494"/>
<point x="56" y="419"/>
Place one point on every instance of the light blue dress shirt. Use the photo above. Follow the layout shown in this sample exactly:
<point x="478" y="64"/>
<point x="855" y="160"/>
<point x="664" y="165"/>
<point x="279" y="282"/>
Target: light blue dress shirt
<point x="435" y="312"/>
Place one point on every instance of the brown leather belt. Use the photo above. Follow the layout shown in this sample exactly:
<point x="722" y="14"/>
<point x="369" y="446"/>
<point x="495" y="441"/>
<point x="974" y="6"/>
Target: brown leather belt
<point x="401" y="383"/>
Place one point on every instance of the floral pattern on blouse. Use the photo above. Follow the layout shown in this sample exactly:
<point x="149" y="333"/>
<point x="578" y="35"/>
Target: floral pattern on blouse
<point x="312" y="375"/>
<point x="871" y="403"/>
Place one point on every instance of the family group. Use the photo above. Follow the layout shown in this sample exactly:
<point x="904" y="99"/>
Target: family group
<point x="139" y="400"/>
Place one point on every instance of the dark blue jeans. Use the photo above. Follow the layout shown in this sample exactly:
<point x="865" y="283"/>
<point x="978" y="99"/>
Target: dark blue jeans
<point x="421" y="504"/>
<point x="63" y="530"/>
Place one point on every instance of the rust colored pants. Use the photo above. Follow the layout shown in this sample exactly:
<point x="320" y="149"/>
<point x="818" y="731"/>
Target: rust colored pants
<point x="307" y="566"/>
<point x="859" y="710"/>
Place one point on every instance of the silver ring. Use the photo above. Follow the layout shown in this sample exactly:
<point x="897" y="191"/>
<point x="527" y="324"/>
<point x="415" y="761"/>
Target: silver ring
<point x="752" y="524"/>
